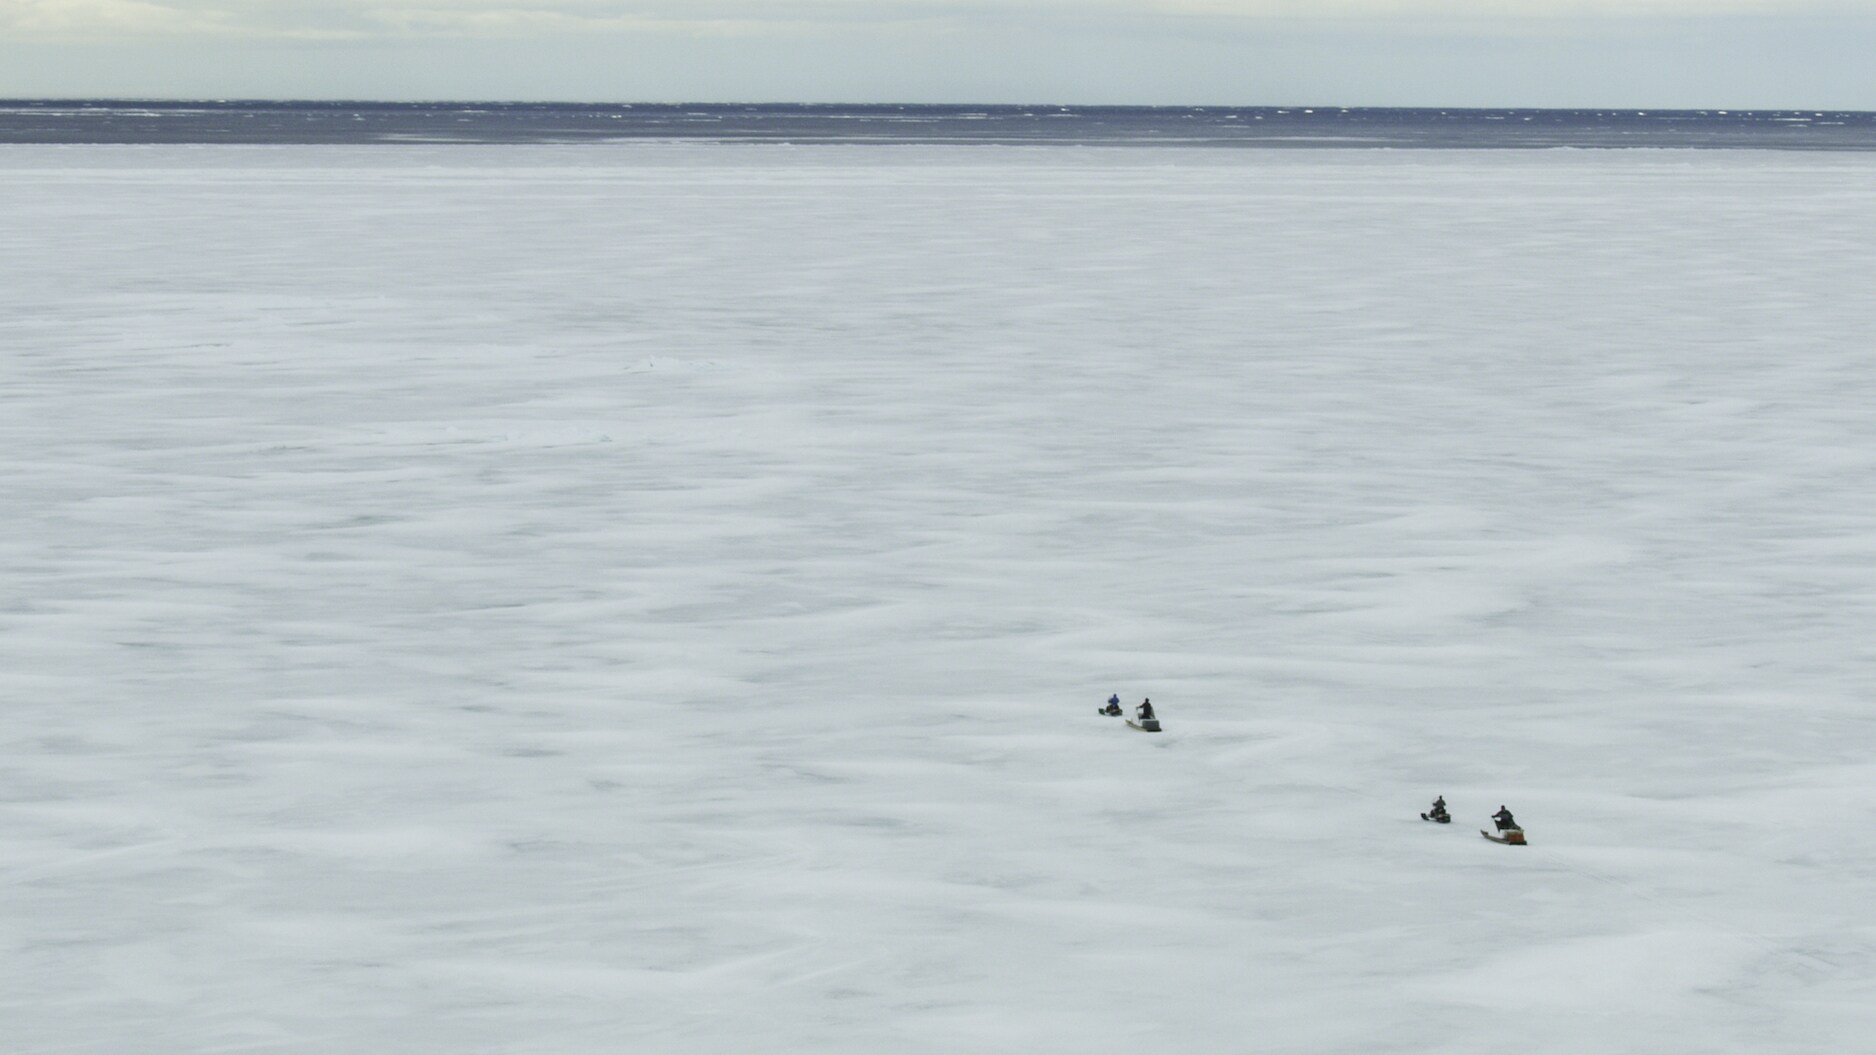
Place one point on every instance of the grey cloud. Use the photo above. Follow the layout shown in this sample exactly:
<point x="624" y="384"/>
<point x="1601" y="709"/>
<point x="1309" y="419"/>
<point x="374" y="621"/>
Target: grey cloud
<point x="369" y="17"/>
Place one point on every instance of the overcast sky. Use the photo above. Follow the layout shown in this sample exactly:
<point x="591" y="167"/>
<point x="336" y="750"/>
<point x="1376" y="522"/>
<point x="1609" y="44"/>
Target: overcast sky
<point x="1653" y="53"/>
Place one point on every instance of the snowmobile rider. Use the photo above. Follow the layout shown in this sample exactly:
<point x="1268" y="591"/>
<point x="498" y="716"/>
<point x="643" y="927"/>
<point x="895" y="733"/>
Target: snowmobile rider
<point x="1439" y="808"/>
<point x="1504" y="820"/>
<point x="1113" y="705"/>
<point x="1145" y="710"/>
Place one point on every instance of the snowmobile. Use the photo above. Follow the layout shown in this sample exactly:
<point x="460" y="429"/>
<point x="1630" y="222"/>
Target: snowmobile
<point x="1149" y="719"/>
<point x="1508" y="831"/>
<point x="1438" y="817"/>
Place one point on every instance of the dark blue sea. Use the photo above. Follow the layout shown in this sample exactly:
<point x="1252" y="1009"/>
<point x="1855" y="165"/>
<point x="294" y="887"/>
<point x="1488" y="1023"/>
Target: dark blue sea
<point x="260" y="122"/>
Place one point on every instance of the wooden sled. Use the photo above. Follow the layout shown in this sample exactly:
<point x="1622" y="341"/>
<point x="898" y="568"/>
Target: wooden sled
<point x="1510" y="836"/>
<point x="1149" y="725"/>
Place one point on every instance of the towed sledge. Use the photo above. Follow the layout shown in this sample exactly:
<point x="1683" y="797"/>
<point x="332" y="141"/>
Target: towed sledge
<point x="1510" y="836"/>
<point x="1145" y="725"/>
<point x="1444" y="818"/>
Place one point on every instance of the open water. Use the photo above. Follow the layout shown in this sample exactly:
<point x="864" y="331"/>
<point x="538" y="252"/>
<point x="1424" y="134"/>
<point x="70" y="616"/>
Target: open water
<point x="111" y="121"/>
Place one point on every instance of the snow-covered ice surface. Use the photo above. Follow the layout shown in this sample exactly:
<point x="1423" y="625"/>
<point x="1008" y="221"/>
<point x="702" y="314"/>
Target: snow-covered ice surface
<point x="655" y="599"/>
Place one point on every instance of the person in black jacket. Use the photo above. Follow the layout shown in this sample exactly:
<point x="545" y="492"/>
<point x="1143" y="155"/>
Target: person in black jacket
<point x="1438" y="812"/>
<point x="1504" y="820"/>
<point x="1146" y="710"/>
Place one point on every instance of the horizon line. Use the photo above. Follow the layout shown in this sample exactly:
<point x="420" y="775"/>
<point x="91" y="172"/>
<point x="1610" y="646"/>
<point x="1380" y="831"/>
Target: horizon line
<point x="105" y="100"/>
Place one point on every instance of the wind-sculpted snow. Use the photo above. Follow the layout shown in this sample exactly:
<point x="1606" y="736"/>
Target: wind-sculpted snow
<point x="656" y="599"/>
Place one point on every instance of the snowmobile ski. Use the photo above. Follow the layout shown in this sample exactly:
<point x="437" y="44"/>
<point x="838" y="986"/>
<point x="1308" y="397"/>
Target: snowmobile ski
<point x="1510" y="837"/>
